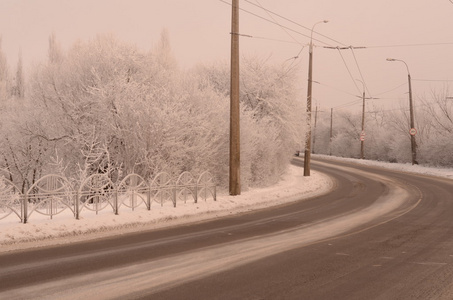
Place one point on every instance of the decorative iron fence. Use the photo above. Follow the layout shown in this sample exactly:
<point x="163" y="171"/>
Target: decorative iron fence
<point x="54" y="194"/>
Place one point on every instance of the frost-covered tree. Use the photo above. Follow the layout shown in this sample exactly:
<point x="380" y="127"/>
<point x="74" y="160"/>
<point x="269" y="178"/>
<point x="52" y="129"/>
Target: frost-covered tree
<point x="271" y="116"/>
<point x="4" y="75"/>
<point x="18" y="89"/>
<point x="105" y="106"/>
<point x="437" y="113"/>
<point x="55" y="53"/>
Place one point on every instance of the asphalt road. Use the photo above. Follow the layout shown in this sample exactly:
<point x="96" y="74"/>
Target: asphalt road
<point x="378" y="235"/>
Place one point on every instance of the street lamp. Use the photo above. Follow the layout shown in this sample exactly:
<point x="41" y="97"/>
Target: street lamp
<point x="412" y="131"/>
<point x="310" y="81"/>
<point x="362" y="135"/>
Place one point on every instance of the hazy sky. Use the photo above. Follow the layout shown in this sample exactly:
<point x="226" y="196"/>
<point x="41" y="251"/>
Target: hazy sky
<point x="420" y="32"/>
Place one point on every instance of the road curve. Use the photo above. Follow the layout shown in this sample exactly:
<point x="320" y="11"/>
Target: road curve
<point x="378" y="235"/>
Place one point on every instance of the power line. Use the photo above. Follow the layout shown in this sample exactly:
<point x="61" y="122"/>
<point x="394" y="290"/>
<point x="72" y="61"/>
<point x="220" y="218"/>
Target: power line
<point x="295" y="23"/>
<point x="297" y="56"/>
<point x="349" y="71"/>
<point x="266" y="38"/>
<point x="355" y="102"/>
<point x="337" y="89"/>
<point x="272" y="22"/>
<point x="360" y="72"/>
<point x="440" y="80"/>
<point x="269" y="14"/>
<point x="348" y="104"/>
<point x="293" y="59"/>
<point x="344" y="48"/>
<point x="409" y="45"/>
<point x="392" y="89"/>
<point x="401" y="109"/>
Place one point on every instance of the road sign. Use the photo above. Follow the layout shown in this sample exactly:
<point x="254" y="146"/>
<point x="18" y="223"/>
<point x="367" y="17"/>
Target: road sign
<point x="413" y="131"/>
<point x="362" y="136"/>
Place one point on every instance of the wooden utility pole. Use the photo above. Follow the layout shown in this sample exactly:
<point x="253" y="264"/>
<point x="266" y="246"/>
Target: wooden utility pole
<point x="235" y="158"/>
<point x="314" y="130"/>
<point x="307" y="153"/>
<point x="362" y="134"/>
<point x="331" y="131"/>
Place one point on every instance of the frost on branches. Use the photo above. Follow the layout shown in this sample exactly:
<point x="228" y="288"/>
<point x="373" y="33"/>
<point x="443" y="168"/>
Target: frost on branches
<point x="106" y="106"/>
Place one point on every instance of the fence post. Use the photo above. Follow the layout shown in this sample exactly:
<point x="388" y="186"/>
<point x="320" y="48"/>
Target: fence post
<point x="24" y="208"/>
<point x="134" y="187"/>
<point x="174" y="195"/>
<point x="205" y="191"/>
<point x="77" y="206"/>
<point x="51" y="208"/>
<point x="115" y="200"/>
<point x="196" y="192"/>
<point x="148" y="198"/>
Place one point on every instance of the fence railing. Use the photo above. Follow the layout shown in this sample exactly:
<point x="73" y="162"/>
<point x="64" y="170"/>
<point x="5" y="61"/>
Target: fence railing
<point x="54" y="194"/>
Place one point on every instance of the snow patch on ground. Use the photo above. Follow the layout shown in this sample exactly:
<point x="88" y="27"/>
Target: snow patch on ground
<point x="408" y="167"/>
<point x="41" y="231"/>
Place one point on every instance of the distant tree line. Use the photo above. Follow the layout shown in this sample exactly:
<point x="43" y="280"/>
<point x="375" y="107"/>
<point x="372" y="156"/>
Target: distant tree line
<point x="387" y="131"/>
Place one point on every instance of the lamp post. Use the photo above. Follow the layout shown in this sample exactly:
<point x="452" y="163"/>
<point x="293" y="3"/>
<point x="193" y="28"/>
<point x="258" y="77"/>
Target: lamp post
<point x="310" y="81"/>
<point x="362" y="135"/>
<point x="412" y="131"/>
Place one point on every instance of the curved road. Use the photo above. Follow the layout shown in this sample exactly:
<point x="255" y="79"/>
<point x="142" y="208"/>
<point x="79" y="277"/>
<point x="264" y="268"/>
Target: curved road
<point x="379" y="234"/>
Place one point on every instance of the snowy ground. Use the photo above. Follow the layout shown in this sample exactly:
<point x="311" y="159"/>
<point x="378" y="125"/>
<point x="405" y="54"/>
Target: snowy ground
<point x="41" y="231"/>
<point x="409" y="168"/>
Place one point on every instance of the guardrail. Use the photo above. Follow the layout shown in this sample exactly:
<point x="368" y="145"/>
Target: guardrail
<point x="54" y="194"/>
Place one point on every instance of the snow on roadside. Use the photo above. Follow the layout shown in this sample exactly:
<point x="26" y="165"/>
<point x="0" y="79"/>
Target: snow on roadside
<point x="41" y="231"/>
<point x="408" y="167"/>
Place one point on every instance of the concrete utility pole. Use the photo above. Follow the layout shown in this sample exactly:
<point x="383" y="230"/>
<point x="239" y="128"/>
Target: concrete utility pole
<point x="331" y="131"/>
<point x="235" y="151"/>
<point x="362" y="135"/>
<point x="307" y="154"/>
<point x="412" y="130"/>
<point x="314" y="130"/>
<point x="362" y="139"/>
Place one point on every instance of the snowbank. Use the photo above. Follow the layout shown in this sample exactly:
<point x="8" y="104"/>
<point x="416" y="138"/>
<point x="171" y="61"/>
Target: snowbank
<point x="408" y="168"/>
<point x="41" y="231"/>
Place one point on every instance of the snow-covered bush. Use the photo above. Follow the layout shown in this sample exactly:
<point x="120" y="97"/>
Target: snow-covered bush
<point x="106" y="107"/>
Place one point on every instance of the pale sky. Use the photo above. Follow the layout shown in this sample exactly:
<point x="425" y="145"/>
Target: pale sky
<point x="420" y="32"/>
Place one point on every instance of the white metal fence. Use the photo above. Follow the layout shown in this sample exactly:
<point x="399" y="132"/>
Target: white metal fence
<point x="54" y="194"/>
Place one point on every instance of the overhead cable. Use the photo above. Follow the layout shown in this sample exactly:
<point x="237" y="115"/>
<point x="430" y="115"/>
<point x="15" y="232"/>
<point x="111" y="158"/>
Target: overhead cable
<point x="410" y="45"/>
<point x="270" y="21"/>
<point x="360" y="72"/>
<point x="270" y="15"/>
<point x="349" y="71"/>
<point x="405" y="83"/>
<point x="293" y="22"/>
<point x="441" y="80"/>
